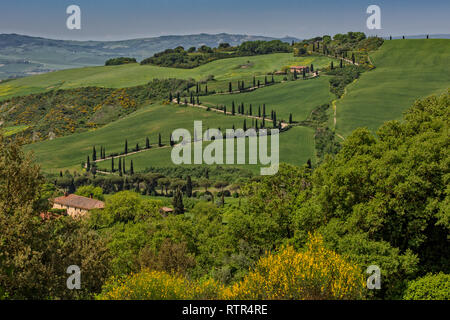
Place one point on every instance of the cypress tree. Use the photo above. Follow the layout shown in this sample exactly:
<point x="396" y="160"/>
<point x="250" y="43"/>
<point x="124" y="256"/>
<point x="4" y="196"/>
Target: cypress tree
<point x="123" y="166"/>
<point x="94" y="154"/>
<point x="312" y="68"/>
<point x="178" y="98"/>
<point x="290" y="118"/>
<point x="206" y="89"/>
<point x="170" y="97"/>
<point x="171" y="141"/>
<point x="126" y="146"/>
<point x="147" y="143"/>
<point x="254" y="81"/>
<point x="198" y="100"/>
<point x="120" y="167"/>
<point x="88" y="164"/>
<point x="185" y="102"/>
<point x="353" y="58"/>
<point x="390" y="37"/>
<point x="332" y="66"/>
<point x="264" y="110"/>
<point x="265" y="80"/>
<point x="230" y="87"/>
<point x="259" y="111"/>
<point x="61" y="174"/>
<point x="225" y="110"/>
<point x="196" y="89"/>
<point x="137" y="146"/>
<point x="189" y="186"/>
<point x="232" y="108"/>
<point x="112" y="164"/>
<point x="131" y="168"/>
<point x="273" y="80"/>
<point x="250" y="110"/>
<point x="256" y="125"/>
<point x="304" y="73"/>
<point x="259" y="83"/>
<point x="340" y="64"/>
<point x="177" y="202"/>
<point x="245" y="125"/>
<point x="159" y="140"/>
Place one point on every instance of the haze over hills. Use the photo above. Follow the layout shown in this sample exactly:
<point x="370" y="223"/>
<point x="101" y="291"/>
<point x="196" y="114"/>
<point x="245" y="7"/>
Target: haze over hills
<point x="22" y="55"/>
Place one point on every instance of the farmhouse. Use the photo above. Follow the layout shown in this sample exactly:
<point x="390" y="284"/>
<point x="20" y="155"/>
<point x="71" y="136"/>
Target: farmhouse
<point x="77" y="205"/>
<point x="165" y="211"/>
<point x="299" y="69"/>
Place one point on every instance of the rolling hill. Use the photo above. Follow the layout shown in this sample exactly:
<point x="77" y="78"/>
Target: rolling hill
<point x="405" y="71"/>
<point x="22" y="55"/>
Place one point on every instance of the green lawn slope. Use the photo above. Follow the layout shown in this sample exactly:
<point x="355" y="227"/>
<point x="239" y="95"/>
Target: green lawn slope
<point x="405" y="71"/>
<point x="297" y="97"/>
<point x="135" y="74"/>
<point x="296" y="145"/>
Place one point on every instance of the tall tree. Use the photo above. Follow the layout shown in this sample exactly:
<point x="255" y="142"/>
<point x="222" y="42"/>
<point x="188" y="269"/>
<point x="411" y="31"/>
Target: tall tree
<point x="94" y="154"/>
<point x="126" y="146"/>
<point x="131" y="168"/>
<point x="147" y="143"/>
<point x="159" y="140"/>
<point x="88" y="164"/>
<point x="189" y="187"/>
<point x="112" y="164"/>
<point x="177" y="202"/>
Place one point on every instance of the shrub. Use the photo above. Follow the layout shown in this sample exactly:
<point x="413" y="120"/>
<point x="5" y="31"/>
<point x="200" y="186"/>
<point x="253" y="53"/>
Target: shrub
<point x="157" y="285"/>
<point x="430" y="287"/>
<point x="315" y="273"/>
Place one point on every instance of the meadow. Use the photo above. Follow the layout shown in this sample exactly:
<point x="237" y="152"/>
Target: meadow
<point x="405" y="71"/>
<point x="135" y="74"/>
<point x="70" y="151"/>
<point x="297" y="97"/>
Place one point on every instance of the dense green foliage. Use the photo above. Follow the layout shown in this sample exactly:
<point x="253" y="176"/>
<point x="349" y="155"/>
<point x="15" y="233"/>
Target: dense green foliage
<point x="180" y="58"/>
<point x="429" y="287"/>
<point x="119" y="61"/>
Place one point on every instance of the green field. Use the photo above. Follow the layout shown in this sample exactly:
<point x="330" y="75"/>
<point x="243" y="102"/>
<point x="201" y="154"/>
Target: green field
<point x="70" y="151"/>
<point x="406" y="70"/>
<point x="296" y="147"/>
<point x="135" y="74"/>
<point x="297" y="97"/>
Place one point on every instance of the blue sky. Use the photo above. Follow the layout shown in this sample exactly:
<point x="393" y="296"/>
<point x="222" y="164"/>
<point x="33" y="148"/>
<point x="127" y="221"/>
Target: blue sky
<point x="125" y="19"/>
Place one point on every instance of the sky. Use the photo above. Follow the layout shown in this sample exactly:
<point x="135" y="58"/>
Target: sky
<point x="128" y="19"/>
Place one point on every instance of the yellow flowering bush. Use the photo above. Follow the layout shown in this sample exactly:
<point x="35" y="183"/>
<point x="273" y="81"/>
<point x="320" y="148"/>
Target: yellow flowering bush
<point x="315" y="273"/>
<point x="158" y="285"/>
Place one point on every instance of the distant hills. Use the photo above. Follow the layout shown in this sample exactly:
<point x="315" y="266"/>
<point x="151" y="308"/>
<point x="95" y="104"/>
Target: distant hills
<point x="22" y="55"/>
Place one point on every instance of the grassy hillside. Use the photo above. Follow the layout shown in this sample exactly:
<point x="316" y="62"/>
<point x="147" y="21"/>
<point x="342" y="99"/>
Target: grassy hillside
<point x="70" y="151"/>
<point x="296" y="97"/>
<point x="134" y="74"/>
<point x="296" y="147"/>
<point x="405" y="71"/>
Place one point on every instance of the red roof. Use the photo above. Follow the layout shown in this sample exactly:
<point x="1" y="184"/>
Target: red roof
<point x="74" y="201"/>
